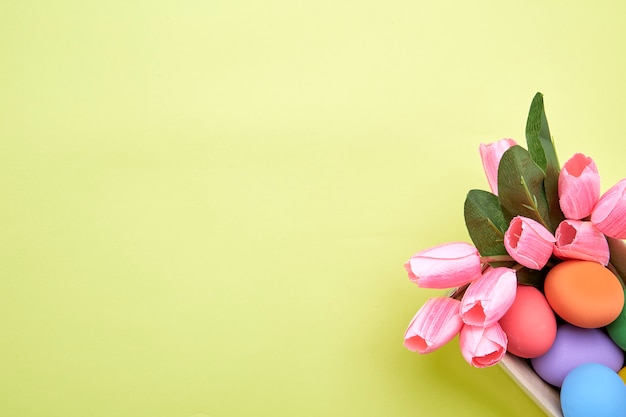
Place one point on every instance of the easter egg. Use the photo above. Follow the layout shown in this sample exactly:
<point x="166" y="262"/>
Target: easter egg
<point x="530" y="324"/>
<point x="593" y="390"/>
<point x="622" y="374"/>
<point x="575" y="346"/>
<point x="617" y="329"/>
<point x="584" y="293"/>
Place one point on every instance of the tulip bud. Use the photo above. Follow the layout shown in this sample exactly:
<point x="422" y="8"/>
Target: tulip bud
<point x="488" y="298"/>
<point x="444" y="266"/>
<point x="483" y="346"/>
<point x="609" y="214"/>
<point x="434" y="325"/>
<point x="528" y="242"/>
<point x="490" y="154"/>
<point x="577" y="239"/>
<point x="579" y="187"/>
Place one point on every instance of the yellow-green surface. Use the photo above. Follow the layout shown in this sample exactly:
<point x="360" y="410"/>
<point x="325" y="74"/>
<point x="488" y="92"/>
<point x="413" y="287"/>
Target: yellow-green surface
<point x="205" y="205"/>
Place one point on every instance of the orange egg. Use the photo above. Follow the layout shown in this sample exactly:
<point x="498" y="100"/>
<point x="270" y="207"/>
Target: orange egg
<point x="529" y="324"/>
<point x="584" y="293"/>
<point x="622" y="374"/>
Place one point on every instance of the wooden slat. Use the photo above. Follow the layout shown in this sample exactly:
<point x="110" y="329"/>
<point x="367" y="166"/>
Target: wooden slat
<point x="545" y="395"/>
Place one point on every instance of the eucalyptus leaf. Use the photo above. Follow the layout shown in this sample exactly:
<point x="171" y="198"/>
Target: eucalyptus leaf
<point x="521" y="187"/>
<point x="485" y="222"/>
<point x="543" y="153"/>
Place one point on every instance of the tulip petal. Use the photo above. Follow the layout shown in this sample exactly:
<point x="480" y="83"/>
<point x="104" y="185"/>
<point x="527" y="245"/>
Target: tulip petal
<point x="609" y="214"/>
<point x="528" y="242"/>
<point x="579" y="187"/>
<point x="490" y="155"/>
<point x="483" y="346"/>
<point x="488" y="298"/>
<point x="444" y="266"/>
<point x="434" y="325"/>
<point x="577" y="239"/>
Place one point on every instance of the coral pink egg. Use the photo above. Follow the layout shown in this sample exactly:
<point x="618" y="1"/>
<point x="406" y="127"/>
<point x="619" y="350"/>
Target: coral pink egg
<point x="530" y="324"/>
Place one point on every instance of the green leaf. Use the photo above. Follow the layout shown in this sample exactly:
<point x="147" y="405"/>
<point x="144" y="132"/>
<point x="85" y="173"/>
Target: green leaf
<point x="485" y="222"/>
<point x="520" y="187"/>
<point x="543" y="153"/>
<point x="538" y="137"/>
<point x="526" y="276"/>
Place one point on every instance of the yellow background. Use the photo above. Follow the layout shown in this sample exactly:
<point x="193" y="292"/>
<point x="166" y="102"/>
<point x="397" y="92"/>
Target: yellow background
<point x="205" y="205"/>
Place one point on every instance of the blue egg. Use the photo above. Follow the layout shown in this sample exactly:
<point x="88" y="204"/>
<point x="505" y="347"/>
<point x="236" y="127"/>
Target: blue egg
<point x="593" y="390"/>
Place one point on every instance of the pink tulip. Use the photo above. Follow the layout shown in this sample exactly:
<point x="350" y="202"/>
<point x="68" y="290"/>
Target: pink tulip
<point x="483" y="346"/>
<point x="579" y="187"/>
<point x="609" y="214"/>
<point x="434" y="325"/>
<point x="528" y="242"/>
<point x="488" y="298"/>
<point x="444" y="266"/>
<point x="491" y="155"/>
<point x="577" y="239"/>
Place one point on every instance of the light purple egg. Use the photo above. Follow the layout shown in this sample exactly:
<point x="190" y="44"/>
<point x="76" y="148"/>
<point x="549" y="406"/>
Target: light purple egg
<point x="575" y="346"/>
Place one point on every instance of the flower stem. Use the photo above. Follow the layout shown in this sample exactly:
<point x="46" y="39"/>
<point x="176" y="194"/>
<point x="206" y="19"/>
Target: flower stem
<point x="457" y="293"/>
<point x="496" y="258"/>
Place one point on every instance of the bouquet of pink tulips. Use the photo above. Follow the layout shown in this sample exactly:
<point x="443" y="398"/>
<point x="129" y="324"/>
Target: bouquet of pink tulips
<point x="546" y="258"/>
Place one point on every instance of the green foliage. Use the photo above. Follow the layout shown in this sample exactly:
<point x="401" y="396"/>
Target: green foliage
<point x="521" y="187"/>
<point x="527" y="276"/>
<point x="527" y="186"/>
<point x="485" y="222"/>
<point x="542" y="152"/>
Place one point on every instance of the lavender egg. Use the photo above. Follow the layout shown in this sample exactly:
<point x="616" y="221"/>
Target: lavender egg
<point x="575" y="346"/>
